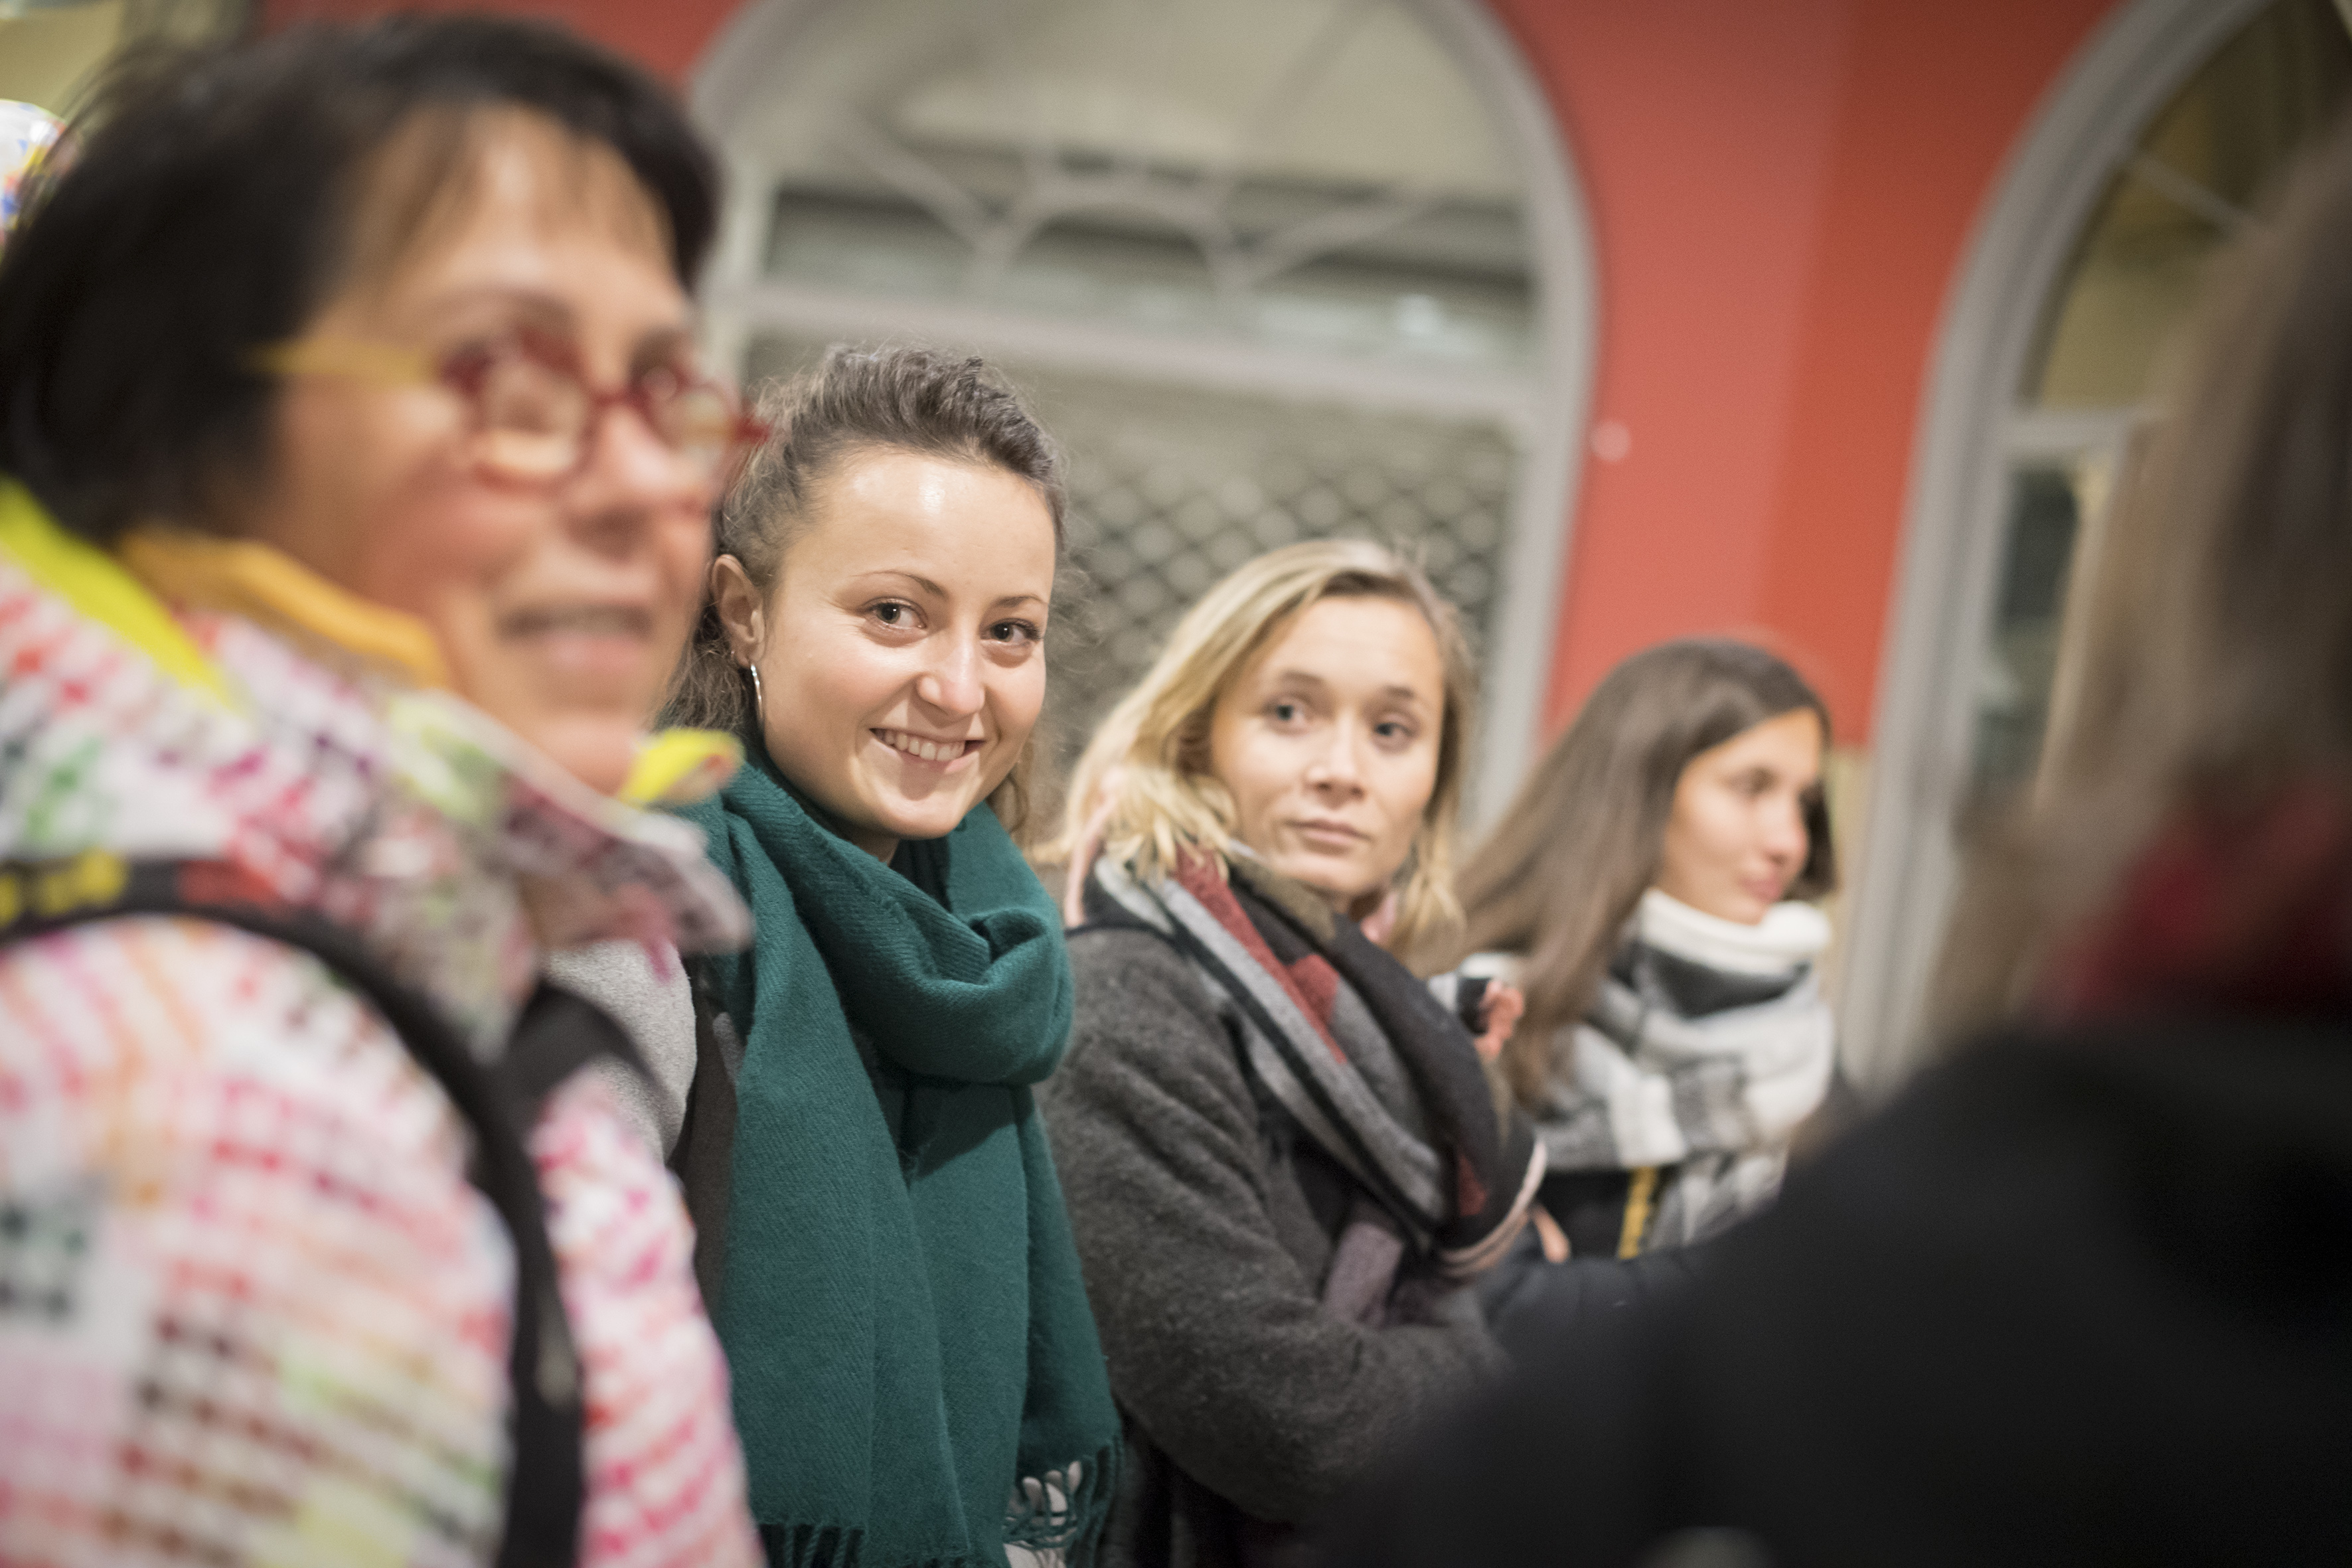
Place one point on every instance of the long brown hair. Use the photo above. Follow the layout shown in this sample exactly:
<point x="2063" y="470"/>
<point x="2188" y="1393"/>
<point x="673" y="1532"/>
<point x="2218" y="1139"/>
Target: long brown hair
<point x="2216" y="635"/>
<point x="857" y="401"/>
<point x="1559" y="876"/>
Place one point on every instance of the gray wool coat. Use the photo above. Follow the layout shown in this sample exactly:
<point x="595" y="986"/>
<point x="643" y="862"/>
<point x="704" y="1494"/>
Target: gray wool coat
<point x="1206" y="1223"/>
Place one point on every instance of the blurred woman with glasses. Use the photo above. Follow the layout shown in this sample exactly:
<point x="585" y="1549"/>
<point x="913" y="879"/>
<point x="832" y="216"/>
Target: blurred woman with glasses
<point x="355" y="475"/>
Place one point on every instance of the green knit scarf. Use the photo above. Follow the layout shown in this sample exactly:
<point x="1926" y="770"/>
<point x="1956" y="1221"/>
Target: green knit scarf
<point x="916" y="1369"/>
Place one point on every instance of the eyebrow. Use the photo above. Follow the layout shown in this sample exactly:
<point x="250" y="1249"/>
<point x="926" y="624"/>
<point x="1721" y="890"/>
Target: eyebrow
<point x="663" y="337"/>
<point x="1307" y="678"/>
<point x="935" y="591"/>
<point x="917" y="578"/>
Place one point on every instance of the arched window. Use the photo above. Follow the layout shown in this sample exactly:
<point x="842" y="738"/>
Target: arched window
<point x="2168" y="132"/>
<point x="1273" y="269"/>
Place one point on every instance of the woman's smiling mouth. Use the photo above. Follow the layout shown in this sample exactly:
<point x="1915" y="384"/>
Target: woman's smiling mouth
<point x="947" y="756"/>
<point x="585" y="620"/>
<point x="604" y="641"/>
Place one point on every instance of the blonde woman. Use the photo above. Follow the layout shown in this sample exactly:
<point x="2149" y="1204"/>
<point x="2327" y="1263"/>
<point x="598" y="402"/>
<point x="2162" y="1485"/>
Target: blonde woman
<point x="1281" y="1155"/>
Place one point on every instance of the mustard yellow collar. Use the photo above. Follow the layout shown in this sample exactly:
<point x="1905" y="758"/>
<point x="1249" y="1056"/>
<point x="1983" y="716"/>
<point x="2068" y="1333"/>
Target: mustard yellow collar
<point x="244" y="577"/>
<point x="96" y="586"/>
<point x="251" y="580"/>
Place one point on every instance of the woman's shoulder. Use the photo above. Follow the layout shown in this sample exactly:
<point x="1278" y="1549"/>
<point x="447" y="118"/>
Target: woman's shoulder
<point x="1140" y="1003"/>
<point x="1118" y="968"/>
<point x="94" y="1017"/>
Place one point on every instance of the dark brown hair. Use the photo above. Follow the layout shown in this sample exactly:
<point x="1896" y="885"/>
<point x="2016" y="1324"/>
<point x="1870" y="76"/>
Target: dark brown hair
<point x="1561" y="873"/>
<point x="857" y="401"/>
<point x="211" y="207"/>
<point x="2212" y="663"/>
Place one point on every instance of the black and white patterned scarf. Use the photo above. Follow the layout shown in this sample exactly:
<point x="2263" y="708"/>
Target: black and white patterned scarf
<point x="1706" y="1045"/>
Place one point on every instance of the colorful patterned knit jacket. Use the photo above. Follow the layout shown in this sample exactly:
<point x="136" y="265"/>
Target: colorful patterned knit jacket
<point x="251" y="1312"/>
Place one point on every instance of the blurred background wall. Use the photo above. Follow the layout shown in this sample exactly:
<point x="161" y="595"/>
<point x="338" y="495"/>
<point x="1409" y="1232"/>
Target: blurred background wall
<point x="1827" y="322"/>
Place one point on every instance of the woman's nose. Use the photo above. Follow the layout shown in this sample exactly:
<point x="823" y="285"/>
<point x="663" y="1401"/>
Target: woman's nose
<point x="1785" y="837"/>
<point x="951" y="684"/>
<point x="631" y="476"/>
<point x="1335" y="764"/>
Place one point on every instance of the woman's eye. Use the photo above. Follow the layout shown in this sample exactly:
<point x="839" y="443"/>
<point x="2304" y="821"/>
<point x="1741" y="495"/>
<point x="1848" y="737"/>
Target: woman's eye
<point x="1395" y="732"/>
<point x="1285" y="711"/>
<point x="1018" y="633"/>
<point x="893" y="613"/>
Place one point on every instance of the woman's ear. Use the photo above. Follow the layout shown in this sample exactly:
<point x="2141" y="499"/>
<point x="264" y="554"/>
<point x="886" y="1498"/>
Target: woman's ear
<point x="741" y="612"/>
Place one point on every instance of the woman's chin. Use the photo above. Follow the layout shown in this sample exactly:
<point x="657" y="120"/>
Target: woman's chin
<point x="931" y="808"/>
<point x="596" y="749"/>
<point x="935" y="817"/>
<point x="1335" y="879"/>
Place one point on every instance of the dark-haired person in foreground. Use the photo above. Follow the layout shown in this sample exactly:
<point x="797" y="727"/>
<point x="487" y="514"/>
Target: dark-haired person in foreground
<point x="2083" y="1294"/>
<point x="355" y="473"/>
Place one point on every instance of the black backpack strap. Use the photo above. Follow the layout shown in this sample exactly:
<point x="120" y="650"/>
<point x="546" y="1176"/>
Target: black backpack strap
<point x="546" y="1484"/>
<point x="704" y="1158"/>
<point x="560" y="1032"/>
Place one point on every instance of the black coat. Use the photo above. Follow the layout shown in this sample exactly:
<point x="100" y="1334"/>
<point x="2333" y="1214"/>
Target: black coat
<point x="2069" y="1300"/>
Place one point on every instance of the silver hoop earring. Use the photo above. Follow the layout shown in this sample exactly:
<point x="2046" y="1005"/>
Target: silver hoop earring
<point x="759" y="698"/>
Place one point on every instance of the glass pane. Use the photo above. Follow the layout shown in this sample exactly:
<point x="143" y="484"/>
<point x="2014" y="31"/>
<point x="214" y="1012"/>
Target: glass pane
<point x="2048" y="503"/>
<point x="1412" y="301"/>
<point x="1134" y="267"/>
<point x="49" y="53"/>
<point x="2208" y="159"/>
<point x="1295" y="172"/>
<point x="864" y="239"/>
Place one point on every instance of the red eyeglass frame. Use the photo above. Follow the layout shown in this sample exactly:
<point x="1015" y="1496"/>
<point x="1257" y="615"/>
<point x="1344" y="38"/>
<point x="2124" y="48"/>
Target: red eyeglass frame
<point x="465" y="370"/>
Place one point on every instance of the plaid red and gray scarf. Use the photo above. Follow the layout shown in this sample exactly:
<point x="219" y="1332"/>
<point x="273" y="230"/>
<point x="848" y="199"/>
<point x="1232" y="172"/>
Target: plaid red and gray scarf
<point x="1383" y="1075"/>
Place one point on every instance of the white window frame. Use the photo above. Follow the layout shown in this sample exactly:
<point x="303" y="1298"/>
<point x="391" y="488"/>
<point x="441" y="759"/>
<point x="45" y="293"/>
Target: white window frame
<point x="1545" y="410"/>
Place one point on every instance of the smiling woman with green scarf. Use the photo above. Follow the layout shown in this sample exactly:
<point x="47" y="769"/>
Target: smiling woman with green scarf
<point x="917" y="1376"/>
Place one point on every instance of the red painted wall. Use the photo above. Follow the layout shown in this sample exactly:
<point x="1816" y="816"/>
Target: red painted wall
<point x="1935" y="98"/>
<point x="667" y="37"/>
<point x="1782" y="195"/>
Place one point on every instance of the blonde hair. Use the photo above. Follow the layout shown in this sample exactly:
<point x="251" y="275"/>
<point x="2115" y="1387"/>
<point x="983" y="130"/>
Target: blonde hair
<point x="1150" y="760"/>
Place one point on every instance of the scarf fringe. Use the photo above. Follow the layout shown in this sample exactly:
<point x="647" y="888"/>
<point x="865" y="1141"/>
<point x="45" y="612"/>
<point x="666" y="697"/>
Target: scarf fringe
<point x="1077" y="1535"/>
